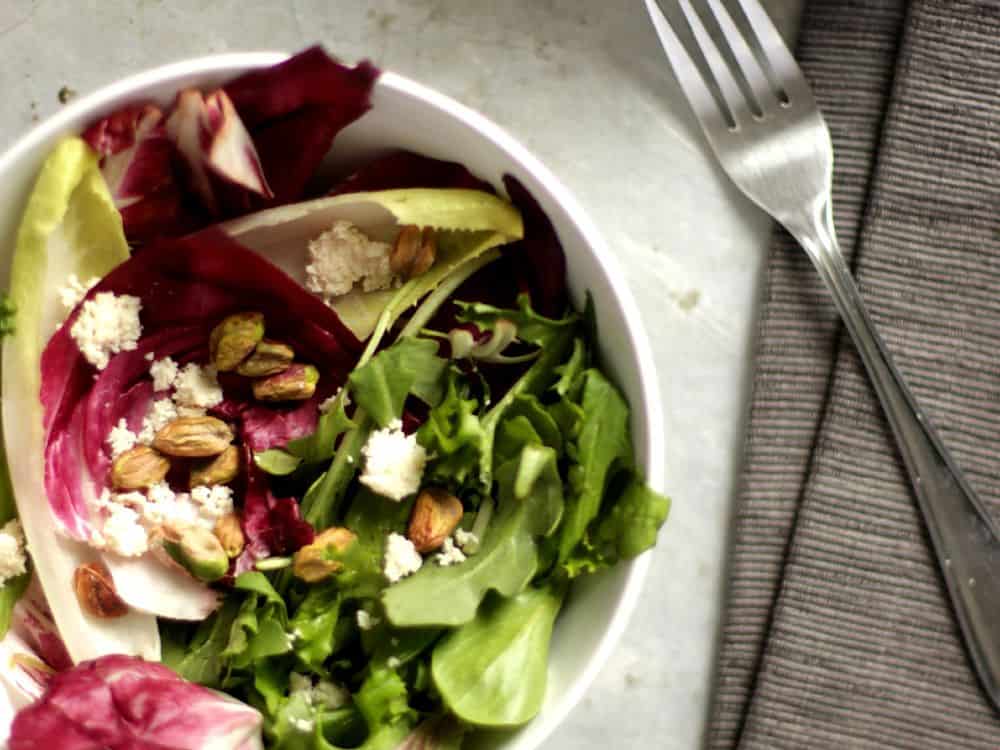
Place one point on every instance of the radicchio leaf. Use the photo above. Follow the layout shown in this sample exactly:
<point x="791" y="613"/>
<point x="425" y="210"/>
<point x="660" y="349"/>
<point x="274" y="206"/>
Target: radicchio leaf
<point x="122" y="702"/>
<point x="295" y="109"/>
<point x="405" y="169"/>
<point x="272" y="526"/>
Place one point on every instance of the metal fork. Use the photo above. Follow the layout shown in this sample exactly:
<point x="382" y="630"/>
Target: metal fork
<point x="762" y="121"/>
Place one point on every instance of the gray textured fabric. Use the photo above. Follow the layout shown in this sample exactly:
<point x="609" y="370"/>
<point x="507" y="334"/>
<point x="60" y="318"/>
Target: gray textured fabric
<point x="860" y="649"/>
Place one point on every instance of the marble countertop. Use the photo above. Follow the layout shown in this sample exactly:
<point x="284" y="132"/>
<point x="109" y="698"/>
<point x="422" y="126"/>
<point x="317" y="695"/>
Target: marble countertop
<point x="585" y="86"/>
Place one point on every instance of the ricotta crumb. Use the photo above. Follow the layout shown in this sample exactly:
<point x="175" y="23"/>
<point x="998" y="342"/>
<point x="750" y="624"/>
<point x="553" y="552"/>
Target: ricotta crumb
<point x="197" y="387"/>
<point x="467" y="540"/>
<point x="401" y="558"/>
<point x="392" y="662"/>
<point x="450" y="554"/>
<point x="394" y="462"/>
<point x="213" y="502"/>
<point x="13" y="558"/>
<point x="161" y="412"/>
<point x="107" y="324"/>
<point x="73" y="292"/>
<point x="164" y="372"/>
<point x="121" y="438"/>
<point x="343" y="256"/>
<point x="123" y="531"/>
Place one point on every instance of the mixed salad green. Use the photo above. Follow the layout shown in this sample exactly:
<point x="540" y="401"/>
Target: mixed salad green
<point x="322" y="457"/>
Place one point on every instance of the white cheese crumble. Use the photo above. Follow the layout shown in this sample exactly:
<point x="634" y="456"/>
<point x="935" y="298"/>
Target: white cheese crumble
<point x="107" y="324"/>
<point x="327" y="405"/>
<point x="214" y="502"/>
<point x="123" y="531"/>
<point x="324" y="693"/>
<point x="161" y="412"/>
<point x="302" y="724"/>
<point x="164" y="372"/>
<point x="467" y="540"/>
<point x="73" y="292"/>
<point x="342" y="256"/>
<point x="401" y="558"/>
<point x="450" y="554"/>
<point x="366" y="621"/>
<point x="394" y="462"/>
<point x="197" y="387"/>
<point x="392" y="662"/>
<point x="121" y="438"/>
<point x="13" y="559"/>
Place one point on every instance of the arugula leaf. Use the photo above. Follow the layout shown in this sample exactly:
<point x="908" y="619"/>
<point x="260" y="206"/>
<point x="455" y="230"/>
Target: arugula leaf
<point x="491" y="672"/>
<point x="313" y="625"/>
<point x="571" y="370"/>
<point x="321" y="503"/>
<point x="260" y="628"/>
<point x="201" y="660"/>
<point x="277" y="462"/>
<point x="604" y="442"/>
<point x="411" y="365"/>
<point x="316" y="448"/>
<point x="627" y="527"/>
<point x="526" y="421"/>
<point x="453" y="436"/>
<point x="532" y="328"/>
<point x="383" y="698"/>
<point x="530" y="498"/>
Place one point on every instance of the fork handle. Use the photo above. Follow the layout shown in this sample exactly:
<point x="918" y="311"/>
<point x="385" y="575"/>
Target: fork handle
<point x="964" y="535"/>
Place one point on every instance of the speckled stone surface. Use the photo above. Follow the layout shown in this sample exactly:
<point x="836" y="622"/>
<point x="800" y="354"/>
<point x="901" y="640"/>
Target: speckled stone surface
<point x="585" y="86"/>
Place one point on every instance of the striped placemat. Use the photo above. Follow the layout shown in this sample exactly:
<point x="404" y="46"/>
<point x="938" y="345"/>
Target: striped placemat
<point x="837" y="632"/>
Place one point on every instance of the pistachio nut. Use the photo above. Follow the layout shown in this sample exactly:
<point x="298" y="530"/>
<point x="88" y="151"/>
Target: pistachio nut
<point x="413" y="252"/>
<point x="234" y="339"/>
<point x="269" y="358"/>
<point x="96" y="591"/>
<point x="221" y="469"/>
<point x="312" y="563"/>
<point x="198" y="550"/>
<point x="139" y="468"/>
<point x="436" y="514"/>
<point x="193" y="437"/>
<point x="297" y="383"/>
<point x="229" y="532"/>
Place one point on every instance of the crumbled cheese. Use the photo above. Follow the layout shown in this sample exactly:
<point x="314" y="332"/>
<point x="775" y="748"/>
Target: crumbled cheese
<point x="161" y="412"/>
<point x="302" y="724"/>
<point x="467" y="540"/>
<point x="328" y="404"/>
<point x="330" y="695"/>
<point x="343" y="256"/>
<point x="164" y="372"/>
<point x="214" y="502"/>
<point x="197" y="387"/>
<point x="450" y="554"/>
<point x="13" y="559"/>
<point x="121" y="438"/>
<point x="107" y="324"/>
<point x="401" y="558"/>
<point x="365" y="620"/>
<point x="392" y="662"/>
<point x="74" y="291"/>
<point x="149" y="356"/>
<point x="394" y="462"/>
<point x="123" y="531"/>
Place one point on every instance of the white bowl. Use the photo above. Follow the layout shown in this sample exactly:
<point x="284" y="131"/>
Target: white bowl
<point x="408" y="115"/>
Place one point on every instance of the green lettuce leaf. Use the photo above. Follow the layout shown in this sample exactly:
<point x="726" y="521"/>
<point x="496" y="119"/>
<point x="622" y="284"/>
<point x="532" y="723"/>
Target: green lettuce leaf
<point x="530" y="504"/>
<point x="491" y="672"/>
<point x="532" y="328"/>
<point x="312" y="449"/>
<point x="200" y="659"/>
<point x="627" y="526"/>
<point x="313" y="626"/>
<point x="453" y="436"/>
<point x="604" y="442"/>
<point x="410" y="366"/>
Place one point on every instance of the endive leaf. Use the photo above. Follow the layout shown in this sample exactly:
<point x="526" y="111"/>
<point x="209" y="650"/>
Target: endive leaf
<point x="70" y="225"/>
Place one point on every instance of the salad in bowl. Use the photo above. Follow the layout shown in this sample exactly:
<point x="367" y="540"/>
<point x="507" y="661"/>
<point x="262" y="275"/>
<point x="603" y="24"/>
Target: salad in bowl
<point x="298" y="457"/>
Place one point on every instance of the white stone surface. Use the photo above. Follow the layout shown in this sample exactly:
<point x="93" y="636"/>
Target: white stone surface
<point x="585" y="86"/>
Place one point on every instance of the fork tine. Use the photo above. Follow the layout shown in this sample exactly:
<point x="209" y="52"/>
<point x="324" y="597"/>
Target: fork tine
<point x="716" y="62"/>
<point x="755" y="76"/>
<point x="711" y="114"/>
<point x="786" y="70"/>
